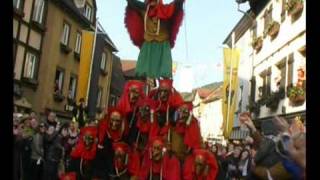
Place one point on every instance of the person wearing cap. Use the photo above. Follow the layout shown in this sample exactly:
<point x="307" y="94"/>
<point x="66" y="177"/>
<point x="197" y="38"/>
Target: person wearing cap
<point x="167" y="101"/>
<point x="201" y="165"/>
<point x="153" y="27"/>
<point x="126" y="163"/>
<point x="37" y="153"/>
<point x="185" y="134"/>
<point x="110" y="130"/>
<point x="158" y="164"/>
<point x="84" y="153"/>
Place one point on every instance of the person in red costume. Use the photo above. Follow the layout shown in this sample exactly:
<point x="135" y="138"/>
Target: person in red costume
<point x="112" y="129"/>
<point x="146" y="118"/>
<point x="186" y="133"/>
<point x="133" y="92"/>
<point x="126" y="163"/>
<point x="84" y="153"/>
<point x="157" y="164"/>
<point x="201" y="165"/>
<point x="168" y="100"/>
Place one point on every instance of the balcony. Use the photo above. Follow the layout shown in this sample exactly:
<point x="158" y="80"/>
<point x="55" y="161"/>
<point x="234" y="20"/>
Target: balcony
<point x="273" y="29"/>
<point x="257" y="43"/>
<point x="294" y="8"/>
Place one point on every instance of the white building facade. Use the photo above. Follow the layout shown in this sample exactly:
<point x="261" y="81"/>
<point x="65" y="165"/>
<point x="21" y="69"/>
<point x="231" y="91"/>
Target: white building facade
<point x="272" y="44"/>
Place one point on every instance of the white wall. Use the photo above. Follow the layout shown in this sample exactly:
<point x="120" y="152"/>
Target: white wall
<point x="211" y="119"/>
<point x="290" y="38"/>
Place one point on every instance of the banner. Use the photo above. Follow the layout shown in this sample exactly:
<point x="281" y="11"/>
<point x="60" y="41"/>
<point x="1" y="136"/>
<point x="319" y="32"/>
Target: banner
<point x="231" y="59"/>
<point x="85" y="64"/>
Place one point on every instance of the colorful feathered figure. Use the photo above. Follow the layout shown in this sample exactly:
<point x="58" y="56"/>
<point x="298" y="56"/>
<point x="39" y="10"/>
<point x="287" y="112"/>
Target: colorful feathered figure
<point x="153" y="27"/>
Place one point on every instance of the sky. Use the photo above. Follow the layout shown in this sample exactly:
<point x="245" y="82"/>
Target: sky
<point x="198" y="50"/>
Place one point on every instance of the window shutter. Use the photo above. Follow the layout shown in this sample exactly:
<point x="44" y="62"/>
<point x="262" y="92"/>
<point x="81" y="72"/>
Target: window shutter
<point x="290" y="69"/>
<point x="253" y="88"/>
<point x="268" y="79"/>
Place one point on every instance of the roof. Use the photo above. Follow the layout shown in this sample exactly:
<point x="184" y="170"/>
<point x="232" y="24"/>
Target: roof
<point x="203" y="93"/>
<point x="206" y="90"/>
<point x="188" y="97"/>
<point x="106" y="37"/>
<point x="239" y="29"/>
<point x="70" y="8"/>
<point x="214" y="95"/>
<point x="128" y="67"/>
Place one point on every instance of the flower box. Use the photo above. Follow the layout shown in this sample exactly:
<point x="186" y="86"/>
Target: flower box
<point x="257" y="43"/>
<point x="296" y="96"/>
<point x="273" y="29"/>
<point x="297" y="100"/>
<point x="294" y="7"/>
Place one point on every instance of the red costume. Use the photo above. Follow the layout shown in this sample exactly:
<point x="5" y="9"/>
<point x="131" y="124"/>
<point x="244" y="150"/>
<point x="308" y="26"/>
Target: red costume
<point x="80" y="150"/>
<point x="124" y="101"/>
<point x="167" y="168"/>
<point x="165" y="109"/>
<point x="104" y="130"/>
<point x="190" y="129"/>
<point x="135" y="24"/>
<point x="174" y="100"/>
<point x="210" y="170"/>
<point x="131" y="164"/>
<point x="84" y="153"/>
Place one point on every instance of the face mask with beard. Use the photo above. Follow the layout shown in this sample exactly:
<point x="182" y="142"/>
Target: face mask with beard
<point x="120" y="159"/>
<point x="200" y="165"/>
<point x="164" y="94"/>
<point x="156" y="152"/>
<point x="115" y="121"/>
<point x="133" y="94"/>
<point x="183" y="114"/>
<point x="88" y="141"/>
<point x="144" y="112"/>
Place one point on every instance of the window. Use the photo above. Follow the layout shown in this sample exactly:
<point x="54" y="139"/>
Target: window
<point x="253" y="88"/>
<point x="65" y="34"/>
<point x="99" y="97"/>
<point x="266" y="78"/>
<point x="38" y="11"/>
<point x="103" y="61"/>
<point x="77" y="49"/>
<point x="72" y="87"/>
<point x="59" y="81"/>
<point x="88" y="12"/>
<point x="282" y="67"/>
<point x="290" y="69"/>
<point x="18" y="4"/>
<point x="30" y="66"/>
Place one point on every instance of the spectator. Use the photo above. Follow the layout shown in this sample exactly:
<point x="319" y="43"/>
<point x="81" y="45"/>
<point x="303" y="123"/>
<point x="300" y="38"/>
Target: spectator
<point x="37" y="153"/>
<point x="53" y="151"/>
<point x="244" y="164"/>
